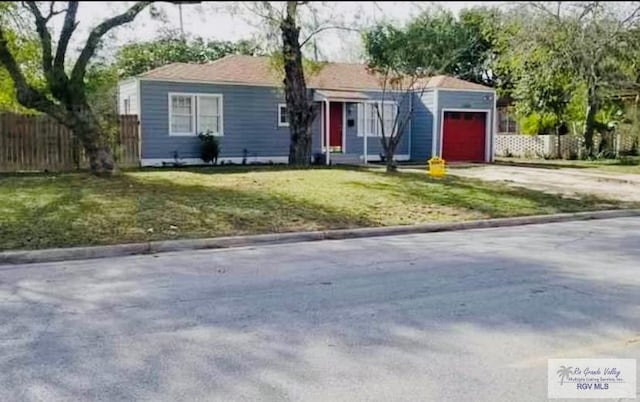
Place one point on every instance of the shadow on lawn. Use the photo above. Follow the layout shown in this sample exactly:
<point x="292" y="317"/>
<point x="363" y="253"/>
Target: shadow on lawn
<point x="76" y="210"/>
<point x="492" y="199"/>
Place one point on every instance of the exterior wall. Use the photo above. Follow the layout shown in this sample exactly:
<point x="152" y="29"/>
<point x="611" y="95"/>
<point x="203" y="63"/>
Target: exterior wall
<point x="354" y="145"/>
<point x="422" y="125"/>
<point x="250" y="121"/>
<point x="128" y="90"/>
<point x="480" y="100"/>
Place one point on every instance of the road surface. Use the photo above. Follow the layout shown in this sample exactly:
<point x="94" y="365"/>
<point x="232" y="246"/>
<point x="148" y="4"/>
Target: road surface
<point x="469" y="315"/>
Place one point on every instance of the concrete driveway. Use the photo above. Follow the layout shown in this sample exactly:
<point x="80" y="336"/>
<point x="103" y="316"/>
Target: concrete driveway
<point x="470" y="315"/>
<point x="568" y="181"/>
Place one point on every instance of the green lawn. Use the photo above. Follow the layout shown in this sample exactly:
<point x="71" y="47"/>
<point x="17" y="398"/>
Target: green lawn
<point x="39" y="211"/>
<point x="630" y="165"/>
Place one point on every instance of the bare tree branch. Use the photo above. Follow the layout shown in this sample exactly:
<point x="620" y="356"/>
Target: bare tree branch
<point x="69" y="26"/>
<point x="325" y="28"/>
<point x="541" y="7"/>
<point x="45" y="36"/>
<point x="77" y="75"/>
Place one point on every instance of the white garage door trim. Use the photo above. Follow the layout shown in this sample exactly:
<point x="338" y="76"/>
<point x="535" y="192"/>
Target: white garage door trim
<point x="488" y="154"/>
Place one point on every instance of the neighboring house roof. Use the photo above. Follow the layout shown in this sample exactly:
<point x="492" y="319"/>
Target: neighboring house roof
<point x="239" y="69"/>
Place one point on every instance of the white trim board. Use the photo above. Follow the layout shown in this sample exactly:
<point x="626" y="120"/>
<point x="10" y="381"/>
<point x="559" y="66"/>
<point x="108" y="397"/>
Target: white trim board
<point x="198" y="161"/>
<point x="149" y="162"/>
<point x="139" y="93"/>
<point x="435" y="122"/>
<point x="376" y="157"/>
<point x="487" y="129"/>
<point x="344" y="127"/>
<point x="489" y="91"/>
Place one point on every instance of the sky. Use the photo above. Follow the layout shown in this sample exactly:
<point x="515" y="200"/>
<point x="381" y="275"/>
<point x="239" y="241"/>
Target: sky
<point x="214" y="20"/>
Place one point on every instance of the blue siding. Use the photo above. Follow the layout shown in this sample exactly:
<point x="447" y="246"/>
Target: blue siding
<point x="355" y="144"/>
<point x="250" y="117"/>
<point x="464" y="100"/>
<point x="422" y="126"/>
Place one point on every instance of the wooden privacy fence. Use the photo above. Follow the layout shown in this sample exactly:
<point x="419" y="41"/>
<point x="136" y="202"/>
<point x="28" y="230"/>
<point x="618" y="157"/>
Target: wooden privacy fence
<point x="39" y="143"/>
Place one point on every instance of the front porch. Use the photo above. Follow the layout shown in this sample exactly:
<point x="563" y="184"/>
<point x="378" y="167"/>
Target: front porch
<point x="339" y="127"/>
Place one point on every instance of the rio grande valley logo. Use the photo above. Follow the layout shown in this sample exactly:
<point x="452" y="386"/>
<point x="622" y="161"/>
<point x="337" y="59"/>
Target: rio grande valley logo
<point x="592" y="378"/>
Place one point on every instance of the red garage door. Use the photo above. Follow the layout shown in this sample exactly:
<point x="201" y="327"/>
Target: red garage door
<point x="463" y="136"/>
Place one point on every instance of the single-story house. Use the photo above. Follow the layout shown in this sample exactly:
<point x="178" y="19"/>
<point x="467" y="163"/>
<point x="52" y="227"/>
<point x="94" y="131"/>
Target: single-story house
<point x="241" y="100"/>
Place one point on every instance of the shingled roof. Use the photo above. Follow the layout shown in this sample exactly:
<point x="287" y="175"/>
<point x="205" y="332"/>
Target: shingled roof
<point x="239" y="69"/>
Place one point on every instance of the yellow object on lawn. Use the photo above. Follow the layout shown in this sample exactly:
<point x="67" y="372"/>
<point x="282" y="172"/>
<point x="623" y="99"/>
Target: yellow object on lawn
<point x="437" y="167"/>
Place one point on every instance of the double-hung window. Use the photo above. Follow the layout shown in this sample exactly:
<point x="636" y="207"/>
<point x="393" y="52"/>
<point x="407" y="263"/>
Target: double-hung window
<point x="191" y="114"/>
<point x="210" y="114"/>
<point x="283" y="115"/>
<point x="369" y="121"/>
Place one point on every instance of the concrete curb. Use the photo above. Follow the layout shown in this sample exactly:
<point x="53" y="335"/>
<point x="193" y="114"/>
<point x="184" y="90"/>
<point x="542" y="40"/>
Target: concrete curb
<point x="118" y="250"/>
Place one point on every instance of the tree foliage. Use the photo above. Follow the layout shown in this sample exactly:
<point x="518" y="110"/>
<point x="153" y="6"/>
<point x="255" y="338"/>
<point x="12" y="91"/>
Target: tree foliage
<point x="138" y="57"/>
<point x="26" y="49"/>
<point x="65" y="97"/>
<point x="403" y="58"/>
<point x="570" y="51"/>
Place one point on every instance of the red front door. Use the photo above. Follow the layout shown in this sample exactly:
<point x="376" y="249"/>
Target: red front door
<point x="463" y="136"/>
<point x="335" y="126"/>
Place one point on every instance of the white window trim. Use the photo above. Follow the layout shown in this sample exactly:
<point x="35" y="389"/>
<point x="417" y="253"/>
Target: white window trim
<point x="505" y="111"/>
<point x="194" y="118"/>
<point x="220" y="132"/>
<point x="361" y="127"/>
<point x="280" y="123"/>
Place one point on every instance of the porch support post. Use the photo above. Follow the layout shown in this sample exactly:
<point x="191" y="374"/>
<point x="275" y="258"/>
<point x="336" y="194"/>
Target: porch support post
<point x="364" y="134"/>
<point x="327" y="131"/>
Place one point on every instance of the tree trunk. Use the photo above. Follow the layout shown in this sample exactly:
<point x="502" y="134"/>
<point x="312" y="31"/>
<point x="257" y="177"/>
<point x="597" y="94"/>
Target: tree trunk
<point x="589" y="123"/>
<point x="298" y="104"/>
<point x="86" y="128"/>
<point x="389" y="149"/>
<point x="392" y="166"/>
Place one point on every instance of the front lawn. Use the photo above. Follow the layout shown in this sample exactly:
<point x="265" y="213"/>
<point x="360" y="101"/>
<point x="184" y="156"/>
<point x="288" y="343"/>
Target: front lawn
<point x="55" y="210"/>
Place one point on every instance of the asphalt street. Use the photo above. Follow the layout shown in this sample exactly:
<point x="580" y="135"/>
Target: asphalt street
<point x="466" y="316"/>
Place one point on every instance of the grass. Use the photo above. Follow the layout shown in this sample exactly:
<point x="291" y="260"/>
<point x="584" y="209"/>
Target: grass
<point x="56" y="210"/>
<point x="628" y="165"/>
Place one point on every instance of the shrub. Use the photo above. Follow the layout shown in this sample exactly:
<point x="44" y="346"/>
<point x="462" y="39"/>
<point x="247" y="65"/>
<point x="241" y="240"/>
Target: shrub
<point x="209" y="147"/>
<point x="629" y="161"/>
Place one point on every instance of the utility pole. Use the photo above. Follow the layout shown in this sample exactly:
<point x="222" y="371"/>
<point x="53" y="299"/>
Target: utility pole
<point x="181" y="23"/>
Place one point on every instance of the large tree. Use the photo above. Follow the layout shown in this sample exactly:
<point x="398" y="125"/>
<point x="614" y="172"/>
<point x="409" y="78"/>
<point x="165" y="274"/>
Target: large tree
<point x="594" y="40"/>
<point x="65" y="95"/>
<point x="283" y="23"/>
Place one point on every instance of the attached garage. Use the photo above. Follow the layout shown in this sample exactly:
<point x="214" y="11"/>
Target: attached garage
<point x="464" y="135"/>
<point x="454" y="119"/>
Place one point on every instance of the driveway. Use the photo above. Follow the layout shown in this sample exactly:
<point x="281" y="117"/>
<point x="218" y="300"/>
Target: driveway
<point x="568" y="181"/>
<point x="469" y="315"/>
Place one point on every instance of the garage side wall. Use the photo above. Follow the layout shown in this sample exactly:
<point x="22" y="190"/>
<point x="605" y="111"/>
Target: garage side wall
<point x="465" y="100"/>
<point x="422" y="125"/>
